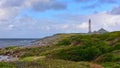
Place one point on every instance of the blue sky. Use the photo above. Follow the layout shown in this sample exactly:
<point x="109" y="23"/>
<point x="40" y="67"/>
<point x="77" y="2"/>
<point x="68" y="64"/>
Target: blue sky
<point x="40" y="18"/>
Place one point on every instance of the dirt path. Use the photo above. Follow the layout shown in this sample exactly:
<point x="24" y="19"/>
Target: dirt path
<point x="93" y="65"/>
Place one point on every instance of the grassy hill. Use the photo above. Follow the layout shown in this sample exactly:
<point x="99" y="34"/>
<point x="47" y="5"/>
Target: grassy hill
<point x="69" y="51"/>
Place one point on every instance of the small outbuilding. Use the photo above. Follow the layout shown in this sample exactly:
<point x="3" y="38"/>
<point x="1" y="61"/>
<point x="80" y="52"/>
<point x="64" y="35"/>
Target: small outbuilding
<point x="100" y="31"/>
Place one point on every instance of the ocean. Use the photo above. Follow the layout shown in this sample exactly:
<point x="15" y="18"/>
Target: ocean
<point x="16" y="42"/>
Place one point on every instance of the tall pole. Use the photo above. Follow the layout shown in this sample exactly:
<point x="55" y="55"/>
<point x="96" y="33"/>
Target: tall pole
<point x="89" y="26"/>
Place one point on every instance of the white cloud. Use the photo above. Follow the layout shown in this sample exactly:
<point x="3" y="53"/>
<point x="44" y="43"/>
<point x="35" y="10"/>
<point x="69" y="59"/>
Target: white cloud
<point x="65" y="26"/>
<point x="10" y="27"/>
<point x="43" y="5"/>
<point x="29" y="3"/>
<point x="9" y="9"/>
<point x="83" y="25"/>
<point x="8" y="13"/>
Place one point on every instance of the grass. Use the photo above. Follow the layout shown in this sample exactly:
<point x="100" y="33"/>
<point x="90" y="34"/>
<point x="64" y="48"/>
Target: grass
<point x="32" y="58"/>
<point x="111" y="65"/>
<point x="6" y="65"/>
<point x="45" y="63"/>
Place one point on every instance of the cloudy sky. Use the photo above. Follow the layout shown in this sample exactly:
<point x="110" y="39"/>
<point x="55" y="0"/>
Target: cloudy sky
<point x="40" y="18"/>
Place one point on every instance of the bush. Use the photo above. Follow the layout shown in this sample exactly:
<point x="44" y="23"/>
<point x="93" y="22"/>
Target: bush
<point x="108" y="58"/>
<point x="117" y="46"/>
<point x="77" y="53"/>
<point x="65" y="41"/>
<point x="104" y="48"/>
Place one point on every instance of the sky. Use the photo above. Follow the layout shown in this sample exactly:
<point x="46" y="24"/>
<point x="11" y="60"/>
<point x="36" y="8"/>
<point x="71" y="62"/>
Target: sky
<point x="40" y="18"/>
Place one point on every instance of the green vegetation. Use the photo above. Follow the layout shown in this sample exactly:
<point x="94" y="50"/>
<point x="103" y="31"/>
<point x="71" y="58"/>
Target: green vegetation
<point x="6" y="65"/>
<point x="45" y="63"/>
<point x="71" y="51"/>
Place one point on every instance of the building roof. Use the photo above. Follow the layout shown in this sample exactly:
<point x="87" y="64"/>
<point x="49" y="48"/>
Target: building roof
<point x="102" y="31"/>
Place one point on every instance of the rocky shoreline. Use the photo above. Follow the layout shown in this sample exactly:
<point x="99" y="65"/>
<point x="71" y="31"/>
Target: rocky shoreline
<point x="5" y="58"/>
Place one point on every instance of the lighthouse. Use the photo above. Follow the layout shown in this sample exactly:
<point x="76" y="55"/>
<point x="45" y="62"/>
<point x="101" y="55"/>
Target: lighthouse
<point x="89" y="26"/>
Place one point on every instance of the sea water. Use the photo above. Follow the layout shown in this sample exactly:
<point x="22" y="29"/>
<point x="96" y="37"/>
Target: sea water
<point x="16" y="42"/>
